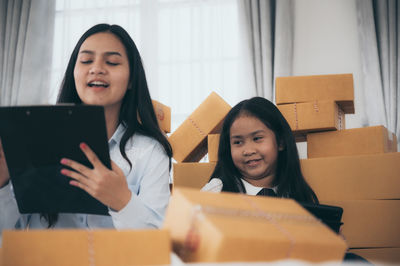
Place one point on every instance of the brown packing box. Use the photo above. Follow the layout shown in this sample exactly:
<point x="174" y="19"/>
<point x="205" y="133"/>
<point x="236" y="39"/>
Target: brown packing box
<point x="189" y="141"/>
<point x="222" y="227"/>
<point x="370" y="223"/>
<point x="193" y="175"/>
<point x="312" y="117"/>
<point x="86" y="247"/>
<point x="356" y="141"/>
<point x="1" y="258"/>
<point x="337" y="87"/>
<point x="354" y="177"/>
<point x="213" y="143"/>
<point x="163" y="114"/>
<point x="379" y="255"/>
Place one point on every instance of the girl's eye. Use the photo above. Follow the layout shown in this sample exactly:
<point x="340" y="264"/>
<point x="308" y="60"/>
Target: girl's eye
<point x="86" y="61"/>
<point x="258" y="138"/>
<point x="112" y="63"/>
<point x="236" y="142"/>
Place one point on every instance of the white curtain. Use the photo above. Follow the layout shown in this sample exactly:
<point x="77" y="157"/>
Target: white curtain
<point x="189" y="47"/>
<point x="268" y="27"/>
<point x="26" y="38"/>
<point x="379" y="35"/>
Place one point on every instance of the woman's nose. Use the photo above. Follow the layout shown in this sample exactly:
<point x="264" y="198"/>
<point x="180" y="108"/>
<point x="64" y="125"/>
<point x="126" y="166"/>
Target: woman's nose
<point x="97" y="68"/>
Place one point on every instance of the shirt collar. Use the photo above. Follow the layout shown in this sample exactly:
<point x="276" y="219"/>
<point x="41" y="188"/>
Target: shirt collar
<point x="253" y="190"/>
<point x="116" y="137"/>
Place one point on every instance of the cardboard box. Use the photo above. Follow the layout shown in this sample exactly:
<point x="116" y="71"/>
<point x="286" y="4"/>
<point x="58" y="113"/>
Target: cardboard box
<point x="189" y="141"/>
<point x="297" y="89"/>
<point x="86" y="247"/>
<point x="354" y="177"/>
<point x="163" y="114"/>
<point x="222" y="227"/>
<point x="193" y="175"/>
<point x="213" y="144"/>
<point x="356" y="141"/>
<point x="379" y="256"/>
<point x="312" y="117"/>
<point x="370" y="223"/>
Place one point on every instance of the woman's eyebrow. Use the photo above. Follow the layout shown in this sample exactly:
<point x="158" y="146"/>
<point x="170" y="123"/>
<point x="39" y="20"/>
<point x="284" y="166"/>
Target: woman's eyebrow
<point x="86" y="52"/>
<point x="106" y="53"/>
<point x="112" y="53"/>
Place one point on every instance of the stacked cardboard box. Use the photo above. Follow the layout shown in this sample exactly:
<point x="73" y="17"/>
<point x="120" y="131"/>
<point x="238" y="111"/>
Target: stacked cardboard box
<point x="231" y="227"/>
<point x="86" y="247"/>
<point x="356" y="169"/>
<point x="367" y="187"/>
<point x="315" y="103"/>
<point x="189" y="142"/>
<point x="163" y="114"/>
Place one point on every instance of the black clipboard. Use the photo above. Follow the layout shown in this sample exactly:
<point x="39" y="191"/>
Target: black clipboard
<point x="35" y="138"/>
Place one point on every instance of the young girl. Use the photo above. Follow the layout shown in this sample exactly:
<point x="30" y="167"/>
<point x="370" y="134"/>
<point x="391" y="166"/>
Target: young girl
<point x="257" y="150"/>
<point x="105" y="69"/>
<point x="257" y="155"/>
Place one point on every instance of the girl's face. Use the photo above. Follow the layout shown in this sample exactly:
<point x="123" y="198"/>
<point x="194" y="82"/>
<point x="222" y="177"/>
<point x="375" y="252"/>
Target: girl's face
<point x="254" y="150"/>
<point x="102" y="71"/>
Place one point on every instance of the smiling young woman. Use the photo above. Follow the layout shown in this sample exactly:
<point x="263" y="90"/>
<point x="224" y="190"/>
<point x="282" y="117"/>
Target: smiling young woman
<point x="105" y="69"/>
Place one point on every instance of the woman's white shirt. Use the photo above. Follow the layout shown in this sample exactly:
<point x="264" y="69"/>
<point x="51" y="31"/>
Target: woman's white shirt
<point x="148" y="179"/>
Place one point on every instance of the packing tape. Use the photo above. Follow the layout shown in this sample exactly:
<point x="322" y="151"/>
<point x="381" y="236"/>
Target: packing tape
<point x="197" y="127"/>
<point x="296" y="120"/>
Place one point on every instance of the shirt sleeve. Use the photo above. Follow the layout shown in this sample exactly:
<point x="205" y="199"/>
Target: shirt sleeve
<point x="147" y="208"/>
<point x="215" y="185"/>
<point x="9" y="213"/>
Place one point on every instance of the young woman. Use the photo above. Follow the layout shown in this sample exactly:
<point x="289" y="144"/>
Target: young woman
<point x="105" y="69"/>
<point x="257" y="150"/>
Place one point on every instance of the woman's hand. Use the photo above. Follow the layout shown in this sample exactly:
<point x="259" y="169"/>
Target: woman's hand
<point x="4" y="174"/>
<point x="108" y="186"/>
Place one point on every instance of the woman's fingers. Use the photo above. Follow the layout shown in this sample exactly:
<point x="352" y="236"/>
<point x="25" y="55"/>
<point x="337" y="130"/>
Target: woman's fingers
<point x="92" y="157"/>
<point x="77" y="176"/>
<point x="80" y="168"/>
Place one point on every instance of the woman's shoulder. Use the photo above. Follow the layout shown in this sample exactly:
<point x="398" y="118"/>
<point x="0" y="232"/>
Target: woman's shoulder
<point x="140" y="141"/>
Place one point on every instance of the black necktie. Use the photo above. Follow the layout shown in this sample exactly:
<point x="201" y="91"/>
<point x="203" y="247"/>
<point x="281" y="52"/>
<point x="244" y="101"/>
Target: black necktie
<point x="267" y="192"/>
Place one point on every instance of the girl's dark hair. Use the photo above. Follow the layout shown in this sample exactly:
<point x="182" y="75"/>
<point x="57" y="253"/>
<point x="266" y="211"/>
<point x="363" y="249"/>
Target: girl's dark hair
<point x="289" y="180"/>
<point x="137" y="113"/>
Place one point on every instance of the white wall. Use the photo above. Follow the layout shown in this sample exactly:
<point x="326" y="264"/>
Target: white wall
<point x="326" y="42"/>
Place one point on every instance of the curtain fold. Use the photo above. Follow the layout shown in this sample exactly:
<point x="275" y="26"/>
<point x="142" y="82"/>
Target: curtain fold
<point x="268" y="28"/>
<point x="379" y="23"/>
<point x="26" y="32"/>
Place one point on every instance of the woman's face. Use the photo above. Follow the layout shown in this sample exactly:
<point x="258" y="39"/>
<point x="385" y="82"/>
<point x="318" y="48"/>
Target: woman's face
<point x="254" y="150"/>
<point x="102" y="71"/>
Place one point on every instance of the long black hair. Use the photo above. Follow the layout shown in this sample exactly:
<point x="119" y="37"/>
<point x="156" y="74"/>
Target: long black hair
<point x="288" y="179"/>
<point x="137" y="113"/>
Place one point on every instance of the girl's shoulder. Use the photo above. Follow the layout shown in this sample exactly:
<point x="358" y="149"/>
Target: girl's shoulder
<point x="215" y="185"/>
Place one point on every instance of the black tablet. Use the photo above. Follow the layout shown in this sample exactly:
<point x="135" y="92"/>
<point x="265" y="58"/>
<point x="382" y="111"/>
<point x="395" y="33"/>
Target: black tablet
<point x="35" y="138"/>
<point x="328" y="214"/>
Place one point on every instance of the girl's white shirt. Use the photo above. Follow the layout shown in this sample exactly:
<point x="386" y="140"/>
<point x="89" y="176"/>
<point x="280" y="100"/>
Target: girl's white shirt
<point x="215" y="185"/>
